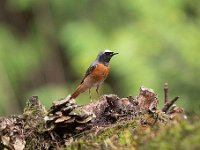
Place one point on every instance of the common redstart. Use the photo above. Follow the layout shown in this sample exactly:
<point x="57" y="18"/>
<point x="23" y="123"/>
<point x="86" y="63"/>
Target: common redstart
<point x="95" y="74"/>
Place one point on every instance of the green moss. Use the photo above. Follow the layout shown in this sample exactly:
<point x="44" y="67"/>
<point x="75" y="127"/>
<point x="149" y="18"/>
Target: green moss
<point x="182" y="134"/>
<point x="106" y="134"/>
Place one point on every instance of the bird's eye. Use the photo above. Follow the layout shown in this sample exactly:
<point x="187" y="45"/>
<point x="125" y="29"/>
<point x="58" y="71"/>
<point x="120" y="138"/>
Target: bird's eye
<point x="108" y="53"/>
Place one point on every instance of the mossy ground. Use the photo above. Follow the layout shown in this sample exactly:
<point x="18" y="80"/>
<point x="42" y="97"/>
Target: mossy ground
<point x="175" y="134"/>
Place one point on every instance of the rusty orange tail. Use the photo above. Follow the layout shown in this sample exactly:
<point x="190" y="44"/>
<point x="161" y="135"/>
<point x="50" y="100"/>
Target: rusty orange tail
<point x="79" y="90"/>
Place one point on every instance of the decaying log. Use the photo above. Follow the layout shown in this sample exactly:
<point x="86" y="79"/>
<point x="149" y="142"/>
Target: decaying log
<point x="147" y="99"/>
<point x="65" y="121"/>
<point x="107" y="110"/>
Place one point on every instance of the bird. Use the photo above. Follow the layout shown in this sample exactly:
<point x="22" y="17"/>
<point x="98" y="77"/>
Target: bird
<point x="95" y="74"/>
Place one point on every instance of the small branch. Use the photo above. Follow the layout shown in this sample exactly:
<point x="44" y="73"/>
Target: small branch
<point x="168" y="104"/>
<point x="166" y="92"/>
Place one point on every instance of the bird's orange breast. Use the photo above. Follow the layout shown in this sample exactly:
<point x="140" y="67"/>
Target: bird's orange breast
<point x="100" y="72"/>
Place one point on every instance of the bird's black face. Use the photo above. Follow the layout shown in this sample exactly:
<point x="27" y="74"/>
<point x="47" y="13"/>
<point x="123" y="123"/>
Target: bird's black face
<point x="105" y="56"/>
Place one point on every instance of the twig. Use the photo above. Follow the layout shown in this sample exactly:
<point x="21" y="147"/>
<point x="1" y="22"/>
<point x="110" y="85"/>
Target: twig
<point x="168" y="104"/>
<point x="166" y="92"/>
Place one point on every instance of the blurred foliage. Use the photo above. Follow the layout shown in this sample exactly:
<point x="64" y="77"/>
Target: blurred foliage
<point x="46" y="46"/>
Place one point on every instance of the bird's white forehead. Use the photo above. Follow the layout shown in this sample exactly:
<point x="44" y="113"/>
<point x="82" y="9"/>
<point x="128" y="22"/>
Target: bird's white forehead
<point x="107" y="50"/>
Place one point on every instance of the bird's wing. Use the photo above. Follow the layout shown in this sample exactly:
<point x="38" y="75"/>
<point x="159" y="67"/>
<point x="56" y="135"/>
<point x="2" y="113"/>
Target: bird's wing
<point x="89" y="70"/>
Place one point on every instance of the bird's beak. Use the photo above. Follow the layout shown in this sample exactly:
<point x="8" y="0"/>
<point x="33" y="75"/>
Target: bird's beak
<point x="115" y="54"/>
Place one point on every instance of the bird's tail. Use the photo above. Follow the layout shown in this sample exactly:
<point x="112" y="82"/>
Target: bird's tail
<point x="78" y="90"/>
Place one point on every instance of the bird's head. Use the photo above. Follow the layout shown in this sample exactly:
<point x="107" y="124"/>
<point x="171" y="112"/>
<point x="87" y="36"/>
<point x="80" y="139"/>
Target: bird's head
<point x="105" y="56"/>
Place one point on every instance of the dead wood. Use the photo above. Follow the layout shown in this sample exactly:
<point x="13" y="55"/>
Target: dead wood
<point x="166" y="92"/>
<point x="168" y="103"/>
<point x="65" y="121"/>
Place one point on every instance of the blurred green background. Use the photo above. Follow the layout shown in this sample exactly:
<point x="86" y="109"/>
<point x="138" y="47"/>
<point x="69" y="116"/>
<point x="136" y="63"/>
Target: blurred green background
<point x="46" y="46"/>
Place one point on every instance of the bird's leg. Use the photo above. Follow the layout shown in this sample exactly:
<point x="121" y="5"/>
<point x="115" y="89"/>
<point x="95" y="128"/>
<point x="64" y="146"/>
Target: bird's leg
<point x="90" y="95"/>
<point x="97" y="90"/>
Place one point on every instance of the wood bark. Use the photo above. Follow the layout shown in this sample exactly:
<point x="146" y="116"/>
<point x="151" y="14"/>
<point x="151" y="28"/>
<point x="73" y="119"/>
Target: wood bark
<point x="64" y="122"/>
